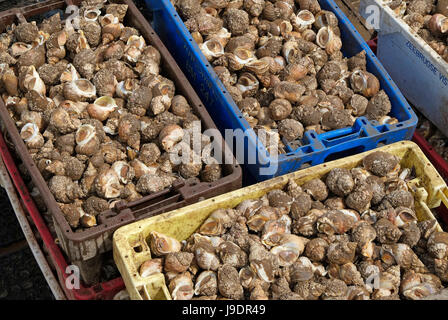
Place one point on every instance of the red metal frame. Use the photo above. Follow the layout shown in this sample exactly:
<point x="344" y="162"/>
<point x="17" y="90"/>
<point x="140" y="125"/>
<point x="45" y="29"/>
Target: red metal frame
<point x="373" y="44"/>
<point x="105" y="290"/>
<point x="439" y="163"/>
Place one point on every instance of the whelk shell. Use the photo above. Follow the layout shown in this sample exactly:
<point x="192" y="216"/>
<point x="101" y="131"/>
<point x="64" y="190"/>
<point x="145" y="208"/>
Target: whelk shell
<point x="151" y="267"/>
<point x="79" y="90"/>
<point x="31" y="135"/>
<point x="86" y="139"/>
<point x="211" y="49"/>
<point x="289" y="249"/>
<point x="124" y="171"/>
<point x="102" y="108"/>
<point x="92" y="14"/>
<point x="33" y="81"/>
<point x="107" y="185"/>
<point x="328" y="40"/>
<point x="304" y="19"/>
<point x="181" y="287"/>
<point x="162" y="244"/>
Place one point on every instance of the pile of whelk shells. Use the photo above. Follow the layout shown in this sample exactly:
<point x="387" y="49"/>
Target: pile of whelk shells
<point x="428" y="18"/>
<point x="96" y="115"/>
<point x="352" y="235"/>
<point x="434" y="136"/>
<point x="280" y="60"/>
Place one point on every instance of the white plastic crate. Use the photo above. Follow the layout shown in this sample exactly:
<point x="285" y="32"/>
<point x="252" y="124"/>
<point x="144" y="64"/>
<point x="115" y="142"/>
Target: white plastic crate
<point x="419" y="72"/>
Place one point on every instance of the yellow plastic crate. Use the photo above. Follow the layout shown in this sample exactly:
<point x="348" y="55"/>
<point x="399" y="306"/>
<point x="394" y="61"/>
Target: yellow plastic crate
<point x="131" y="248"/>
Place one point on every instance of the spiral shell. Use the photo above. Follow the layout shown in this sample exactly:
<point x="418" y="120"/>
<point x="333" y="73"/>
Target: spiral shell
<point x="212" y="49"/>
<point x="365" y="83"/>
<point x="328" y="40"/>
<point x="102" y="108"/>
<point x="162" y="244"/>
<point x="31" y="135"/>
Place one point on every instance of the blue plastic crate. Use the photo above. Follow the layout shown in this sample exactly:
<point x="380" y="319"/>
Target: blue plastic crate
<point x="315" y="148"/>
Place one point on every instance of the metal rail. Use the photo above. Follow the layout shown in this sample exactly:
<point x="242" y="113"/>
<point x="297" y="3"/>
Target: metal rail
<point x="53" y="283"/>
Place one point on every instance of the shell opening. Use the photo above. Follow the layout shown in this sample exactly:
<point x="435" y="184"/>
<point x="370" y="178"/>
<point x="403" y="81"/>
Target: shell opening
<point x="92" y="14"/>
<point x="84" y="134"/>
<point x="29" y="132"/>
<point x="305" y="18"/>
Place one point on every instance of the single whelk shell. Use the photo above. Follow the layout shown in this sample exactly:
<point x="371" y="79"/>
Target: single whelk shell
<point x="304" y="19"/>
<point x="87" y="141"/>
<point x="335" y="222"/>
<point x="150" y="267"/>
<point x="290" y="51"/>
<point x="240" y="58"/>
<point x="10" y="81"/>
<point x="302" y="270"/>
<point x="217" y="222"/>
<point x="438" y="245"/>
<point x="32" y="81"/>
<point x="247" y="84"/>
<point x="289" y="249"/>
<point x="206" y="283"/>
<point x="62" y="121"/>
<point x="181" y="287"/>
<point x="19" y="48"/>
<point x="161" y="244"/>
<point x="92" y="14"/>
<point x="137" y="42"/>
<point x="341" y="252"/>
<point x="325" y="19"/>
<point x="126" y="87"/>
<point x="205" y="255"/>
<point x="79" y="90"/>
<point x="124" y="171"/>
<point x="223" y="36"/>
<point x="160" y="104"/>
<point x="132" y="54"/>
<point x="77" y="42"/>
<point x="31" y="135"/>
<point x="102" y="108"/>
<point x="108" y="19"/>
<point x="107" y="184"/>
<point x="438" y="24"/>
<point x="212" y="49"/>
<point x="170" y="136"/>
<point x="328" y="40"/>
<point x="70" y="74"/>
<point x="273" y="230"/>
<point x="111" y="32"/>
<point x="257" y="221"/>
<point x="365" y="83"/>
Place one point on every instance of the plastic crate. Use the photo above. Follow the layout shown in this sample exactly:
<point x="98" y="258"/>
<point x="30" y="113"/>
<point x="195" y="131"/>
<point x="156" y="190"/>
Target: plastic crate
<point x="106" y="290"/>
<point x="428" y="188"/>
<point x="315" y="149"/>
<point x="84" y="247"/>
<point x="420" y="73"/>
<point x="439" y="163"/>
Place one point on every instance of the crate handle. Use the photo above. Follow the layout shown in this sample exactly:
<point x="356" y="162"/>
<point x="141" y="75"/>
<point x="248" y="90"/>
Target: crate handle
<point x="133" y="209"/>
<point x="20" y="16"/>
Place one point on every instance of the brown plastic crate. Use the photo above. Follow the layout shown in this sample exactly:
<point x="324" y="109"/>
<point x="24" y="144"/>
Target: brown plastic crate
<point x="84" y="247"/>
